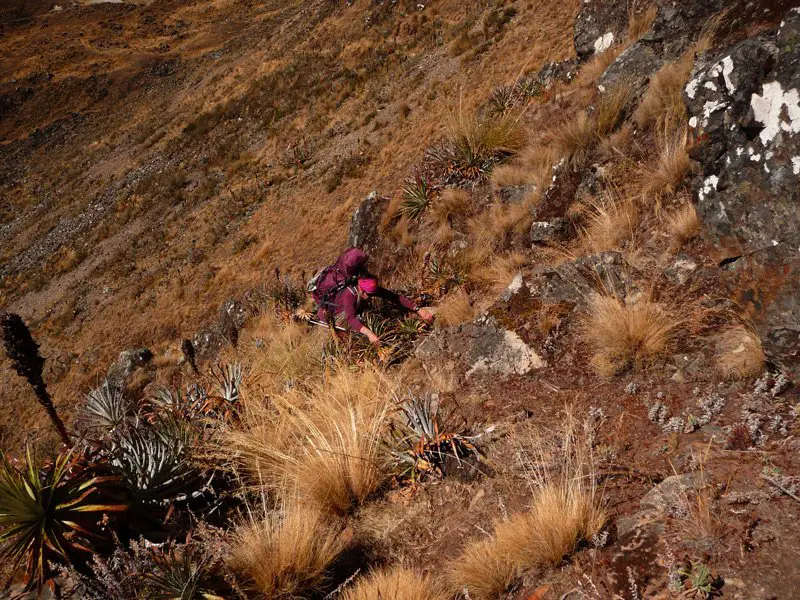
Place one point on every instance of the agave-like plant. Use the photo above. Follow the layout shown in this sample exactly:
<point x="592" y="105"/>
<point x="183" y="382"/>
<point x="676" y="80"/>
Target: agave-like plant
<point x="178" y="576"/>
<point x="228" y="380"/>
<point x="153" y="460"/>
<point x="106" y="409"/>
<point x="23" y="352"/>
<point x="422" y="441"/>
<point x="418" y="192"/>
<point x="51" y="515"/>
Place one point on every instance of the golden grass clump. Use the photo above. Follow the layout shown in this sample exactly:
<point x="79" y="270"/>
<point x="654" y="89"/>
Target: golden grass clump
<point x="283" y="354"/>
<point x="639" y="21"/>
<point x="739" y="353"/>
<point x="598" y="64"/>
<point x="475" y="141"/>
<point x="286" y="555"/>
<point x="574" y="139"/>
<point x="625" y="335"/>
<point x="321" y="442"/>
<point x="611" y="222"/>
<point x="611" y="108"/>
<point x="451" y="203"/>
<point x="396" y="583"/>
<point x="499" y="272"/>
<point x="455" y="309"/>
<point x="670" y="172"/>
<point x="662" y="104"/>
<point x="683" y="225"/>
<point x="565" y="511"/>
<point x="509" y="175"/>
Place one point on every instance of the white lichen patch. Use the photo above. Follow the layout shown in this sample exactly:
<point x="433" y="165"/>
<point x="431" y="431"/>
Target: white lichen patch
<point x="603" y="43"/>
<point x="709" y="185"/>
<point x="693" y="122"/>
<point x="768" y="110"/>
<point x="796" y="165"/>
<point x="691" y="87"/>
<point x="727" y="69"/>
<point x="709" y="85"/>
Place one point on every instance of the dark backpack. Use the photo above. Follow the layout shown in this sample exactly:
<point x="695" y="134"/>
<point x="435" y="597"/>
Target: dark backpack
<point x="331" y="280"/>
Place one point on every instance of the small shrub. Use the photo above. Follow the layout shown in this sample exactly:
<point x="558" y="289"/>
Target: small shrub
<point x="739" y="353"/>
<point x="396" y="583"/>
<point x="286" y="555"/>
<point x="628" y="335"/>
<point x="739" y="438"/>
<point x="50" y="514"/>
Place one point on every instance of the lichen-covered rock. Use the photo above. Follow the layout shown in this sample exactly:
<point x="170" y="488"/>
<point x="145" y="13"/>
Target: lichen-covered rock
<point x="208" y="342"/>
<point x="744" y="105"/>
<point x="543" y="232"/>
<point x="364" y="226"/>
<point x="574" y="282"/>
<point x="599" y="25"/>
<point x="632" y="68"/>
<point x="481" y="349"/>
<point x="127" y="362"/>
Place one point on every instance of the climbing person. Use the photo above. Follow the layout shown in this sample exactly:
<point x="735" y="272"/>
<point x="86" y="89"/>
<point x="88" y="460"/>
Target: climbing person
<point x="341" y="290"/>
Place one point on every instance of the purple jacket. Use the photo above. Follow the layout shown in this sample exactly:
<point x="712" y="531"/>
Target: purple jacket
<point x="348" y="302"/>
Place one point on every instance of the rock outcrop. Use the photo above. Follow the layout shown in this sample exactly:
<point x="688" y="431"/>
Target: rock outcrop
<point x="125" y="365"/>
<point x="481" y="348"/>
<point x="365" y="223"/>
<point x="599" y="25"/>
<point x="744" y="105"/>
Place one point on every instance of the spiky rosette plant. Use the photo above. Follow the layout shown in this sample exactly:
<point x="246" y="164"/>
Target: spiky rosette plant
<point x="51" y="514"/>
<point x="23" y="352"/>
<point x="423" y="440"/>
<point x="106" y="409"/>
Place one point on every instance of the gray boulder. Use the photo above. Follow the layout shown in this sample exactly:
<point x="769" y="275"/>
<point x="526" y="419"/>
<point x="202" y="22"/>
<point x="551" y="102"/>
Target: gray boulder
<point x="208" y="342"/>
<point x="364" y="226"/>
<point x="481" y="349"/>
<point x="574" y="282"/>
<point x="125" y="365"/>
<point x="599" y="25"/>
<point x="744" y="105"/>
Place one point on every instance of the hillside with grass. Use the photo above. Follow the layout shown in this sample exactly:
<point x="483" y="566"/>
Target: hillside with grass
<point x="598" y="201"/>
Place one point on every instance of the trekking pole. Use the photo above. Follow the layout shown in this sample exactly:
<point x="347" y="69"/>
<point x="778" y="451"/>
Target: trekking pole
<point x="322" y="324"/>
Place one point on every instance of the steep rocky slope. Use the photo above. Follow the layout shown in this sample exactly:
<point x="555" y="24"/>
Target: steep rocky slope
<point x="631" y="264"/>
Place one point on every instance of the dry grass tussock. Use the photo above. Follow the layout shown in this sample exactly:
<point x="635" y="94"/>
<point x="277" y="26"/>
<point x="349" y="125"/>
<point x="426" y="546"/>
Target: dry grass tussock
<point x="321" y="443"/>
<point x="670" y="171"/>
<point x="639" y="21"/>
<point x="397" y="583"/>
<point x="455" y="309"/>
<point x="683" y="225"/>
<point x="611" y="222"/>
<point x="282" y="354"/>
<point x="499" y="272"/>
<point x="478" y="140"/>
<point x="509" y="175"/>
<point x="565" y="511"/>
<point x="452" y="202"/>
<point x="574" y="139"/>
<point x="662" y="105"/>
<point x="629" y="335"/>
<point x="611" y="109"/>
<point x="739" y="354"/>
<point x="286" y="555"/>
<point x="595" y="67"/>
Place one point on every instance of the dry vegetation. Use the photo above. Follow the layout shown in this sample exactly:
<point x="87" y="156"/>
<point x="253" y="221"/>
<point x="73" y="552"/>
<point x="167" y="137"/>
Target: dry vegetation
<point x="739" y="354"/>
<point x="629" y="334"/>
<point x="287" y="554"/>
<point x="396" y="583"/>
